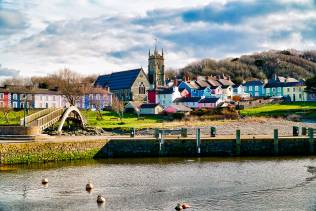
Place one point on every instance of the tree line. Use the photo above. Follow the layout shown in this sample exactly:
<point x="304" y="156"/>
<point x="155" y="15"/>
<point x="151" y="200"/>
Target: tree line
<point x="292" y="63"/>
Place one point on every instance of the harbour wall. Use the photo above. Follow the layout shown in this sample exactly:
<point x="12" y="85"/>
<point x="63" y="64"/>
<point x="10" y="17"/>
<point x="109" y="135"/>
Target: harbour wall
<point x="58" y="150"/>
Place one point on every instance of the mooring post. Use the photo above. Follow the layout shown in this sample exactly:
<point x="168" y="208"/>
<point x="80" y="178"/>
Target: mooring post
<point x="311" y="140"/>
<point x="238" y="142"/>
<point x="276" y="141"/>
<point x="198" y="140"/>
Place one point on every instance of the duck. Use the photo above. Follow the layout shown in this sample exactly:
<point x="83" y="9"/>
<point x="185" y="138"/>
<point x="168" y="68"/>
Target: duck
<point x="89" y="186"/>
<point x="100" y="199"/>
<point x="44" y="181"/>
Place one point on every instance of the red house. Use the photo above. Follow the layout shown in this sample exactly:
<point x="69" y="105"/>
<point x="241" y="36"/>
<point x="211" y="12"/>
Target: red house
<point x="151" y="96"/>
<point x="4" y="98"/>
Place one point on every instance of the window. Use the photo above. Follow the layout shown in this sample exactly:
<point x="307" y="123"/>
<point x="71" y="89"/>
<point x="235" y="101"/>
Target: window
<point x="256" y="88"/>
<point x="1" y="104"/>
<point x="141" y="88"/>
<point x="15" y="104"/>
<point x="46" y="98"/>
<point x="1" y="95"/>
<point x="300" y="96"/>
<point x="15" y="96"/>
<point x="288" y="89"/>
<point x="250" y="88"/>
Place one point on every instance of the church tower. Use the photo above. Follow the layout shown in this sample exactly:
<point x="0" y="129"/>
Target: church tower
<point x="156" y="69"/>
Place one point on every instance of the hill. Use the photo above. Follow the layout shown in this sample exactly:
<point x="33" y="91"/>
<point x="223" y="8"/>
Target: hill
<point x="293" y="63"/>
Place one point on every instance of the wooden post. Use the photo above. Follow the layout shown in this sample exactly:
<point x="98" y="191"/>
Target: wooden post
<point x="276" y="141"/>
<point x="238" y="142"/>
<point x="311" y="140"/>
<point x="161" y="141"/>
<point x="198" y="140"/>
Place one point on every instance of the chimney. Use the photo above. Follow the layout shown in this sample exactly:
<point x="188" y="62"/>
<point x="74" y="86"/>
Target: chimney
<point x="175" y="82"/>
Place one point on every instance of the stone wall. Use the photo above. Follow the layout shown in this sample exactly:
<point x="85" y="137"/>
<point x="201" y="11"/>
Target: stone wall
<point x="14" y="153"/>
<point x="19" y="130"/>
<point x="208" y="147"/>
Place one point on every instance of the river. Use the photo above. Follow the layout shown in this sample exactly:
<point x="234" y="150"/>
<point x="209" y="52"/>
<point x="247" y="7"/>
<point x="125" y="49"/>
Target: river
<point x="160" y="183"/>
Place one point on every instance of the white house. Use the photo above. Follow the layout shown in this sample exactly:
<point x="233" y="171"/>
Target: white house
<point x="44" y="98"/>
<point x="211" y="102"/>
<point x="150" y="108"/>
<point x="191" y="102"/>
<point x="166" y="96"/>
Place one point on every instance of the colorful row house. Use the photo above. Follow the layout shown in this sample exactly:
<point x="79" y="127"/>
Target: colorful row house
<point x="291" y="91"/>
<point x="254" y="88"/>
<point x="18" y="97"/>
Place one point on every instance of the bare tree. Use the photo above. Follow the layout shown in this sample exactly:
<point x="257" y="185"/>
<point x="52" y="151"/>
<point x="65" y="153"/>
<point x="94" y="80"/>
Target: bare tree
<point x="97" y="100"/>
<point x="118" y="107"/>
<point x="71" y="85"/>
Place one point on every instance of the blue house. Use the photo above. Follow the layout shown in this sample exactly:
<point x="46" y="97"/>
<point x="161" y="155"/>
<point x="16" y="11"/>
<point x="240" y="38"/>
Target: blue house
<point x="193" y="88"/>
<point x="254" y="88"/>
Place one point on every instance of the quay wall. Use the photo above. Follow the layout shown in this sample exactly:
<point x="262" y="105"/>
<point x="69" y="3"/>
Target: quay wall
<point x="58" y="150"/>
<point x="208" y="147"/>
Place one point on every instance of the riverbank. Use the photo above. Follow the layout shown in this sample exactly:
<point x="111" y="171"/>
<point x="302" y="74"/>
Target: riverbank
<point x="59" y="149"/>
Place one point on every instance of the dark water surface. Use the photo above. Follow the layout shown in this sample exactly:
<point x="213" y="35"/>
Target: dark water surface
<point x="160" y="183"/>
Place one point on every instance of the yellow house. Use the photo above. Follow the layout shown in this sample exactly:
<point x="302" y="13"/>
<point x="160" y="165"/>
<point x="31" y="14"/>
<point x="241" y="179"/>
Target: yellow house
<point x="295" y="91"/>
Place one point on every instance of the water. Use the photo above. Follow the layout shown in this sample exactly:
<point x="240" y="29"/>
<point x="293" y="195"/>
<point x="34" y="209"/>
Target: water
<point x="159" y="184"/>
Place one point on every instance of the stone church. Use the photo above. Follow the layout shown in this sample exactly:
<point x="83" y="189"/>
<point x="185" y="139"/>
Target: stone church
<point x="132" y="85"/>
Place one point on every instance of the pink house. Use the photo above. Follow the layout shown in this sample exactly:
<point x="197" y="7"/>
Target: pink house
<point x="209" y="102"/>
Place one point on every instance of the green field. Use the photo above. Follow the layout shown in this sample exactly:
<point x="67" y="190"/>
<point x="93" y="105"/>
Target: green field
<point x="307" y="110"/>
<point x="111" y="120"/>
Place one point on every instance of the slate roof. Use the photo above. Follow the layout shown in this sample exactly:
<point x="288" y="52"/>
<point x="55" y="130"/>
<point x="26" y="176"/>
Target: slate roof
<point x="165" y="91"/>
<point x="253" y="83"/>
<point x="149" y="105"/>
<point x="209" y="100"/>
<point x="202" y="83"/>
<point x="280" y="84"/>
<point x="187" y="99"/>
<point x="225" y="82"/>
<point x="118" y="80"/>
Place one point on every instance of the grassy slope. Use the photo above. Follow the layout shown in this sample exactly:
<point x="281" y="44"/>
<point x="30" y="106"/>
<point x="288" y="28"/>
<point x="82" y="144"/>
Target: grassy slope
<point x="306" y="109"/>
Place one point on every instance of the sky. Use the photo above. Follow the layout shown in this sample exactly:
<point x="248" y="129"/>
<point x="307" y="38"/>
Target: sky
<point x="96" y="36"/>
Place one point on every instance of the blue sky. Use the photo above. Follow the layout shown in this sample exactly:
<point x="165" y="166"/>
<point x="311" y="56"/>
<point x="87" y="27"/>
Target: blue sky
<point x="95" y="36"/>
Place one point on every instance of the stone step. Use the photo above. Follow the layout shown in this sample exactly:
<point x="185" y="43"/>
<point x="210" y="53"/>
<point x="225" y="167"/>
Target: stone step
<point x="17" y="137"/>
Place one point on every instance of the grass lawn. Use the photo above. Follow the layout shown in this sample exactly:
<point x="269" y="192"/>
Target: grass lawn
<point x="111" y="120"/>
<point x="14" y="117"/>
<point x="306" y="109"/>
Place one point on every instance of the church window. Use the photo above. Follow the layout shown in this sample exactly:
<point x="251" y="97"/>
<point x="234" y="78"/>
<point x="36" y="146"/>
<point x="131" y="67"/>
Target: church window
<point x="141" y="88"/>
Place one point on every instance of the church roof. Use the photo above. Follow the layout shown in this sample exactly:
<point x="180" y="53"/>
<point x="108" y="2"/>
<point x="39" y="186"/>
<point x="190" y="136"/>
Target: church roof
<point x="118" y="80"/>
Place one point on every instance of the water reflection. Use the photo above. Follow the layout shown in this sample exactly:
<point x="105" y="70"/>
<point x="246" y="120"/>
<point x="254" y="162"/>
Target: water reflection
<point x="248" y="183"/>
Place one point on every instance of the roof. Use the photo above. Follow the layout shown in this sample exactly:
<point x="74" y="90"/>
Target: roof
<point x="253" y="83"/>
<point x="202" y="83"/>
<point x="165" y="91"/>
<point x="149" y="105"/>
<point x="280" y="84"/>
<point x="225" y="82"/>
<point x="187" y="99"/>
<point x="173" y="108"/>
<point x="209" y="100"/>
<point x="118" y="80"/>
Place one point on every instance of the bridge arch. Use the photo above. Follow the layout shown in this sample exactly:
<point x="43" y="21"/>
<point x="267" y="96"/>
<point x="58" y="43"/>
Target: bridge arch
<point x="71" y="109"/>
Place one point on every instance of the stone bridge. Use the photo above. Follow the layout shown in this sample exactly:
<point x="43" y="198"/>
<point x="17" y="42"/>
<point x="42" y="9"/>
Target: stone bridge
<point x="48" y="117"/>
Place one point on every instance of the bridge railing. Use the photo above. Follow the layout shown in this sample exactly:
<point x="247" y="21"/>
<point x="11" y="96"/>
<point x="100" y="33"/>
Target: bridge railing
<point x="33" y="117"/>
<point x="49" y="119"/>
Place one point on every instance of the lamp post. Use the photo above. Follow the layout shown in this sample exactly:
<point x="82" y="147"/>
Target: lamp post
<point x="24" y="108"/>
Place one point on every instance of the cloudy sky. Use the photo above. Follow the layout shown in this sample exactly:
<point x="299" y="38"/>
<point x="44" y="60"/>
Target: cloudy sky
<point x="98" y="36"/>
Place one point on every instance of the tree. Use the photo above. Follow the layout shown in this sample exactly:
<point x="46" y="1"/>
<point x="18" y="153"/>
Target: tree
<point x="118" y="107"/>
<point x="70" y="84"/>
<point x="97" y="100"/>
<point x="311" y="85"/>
